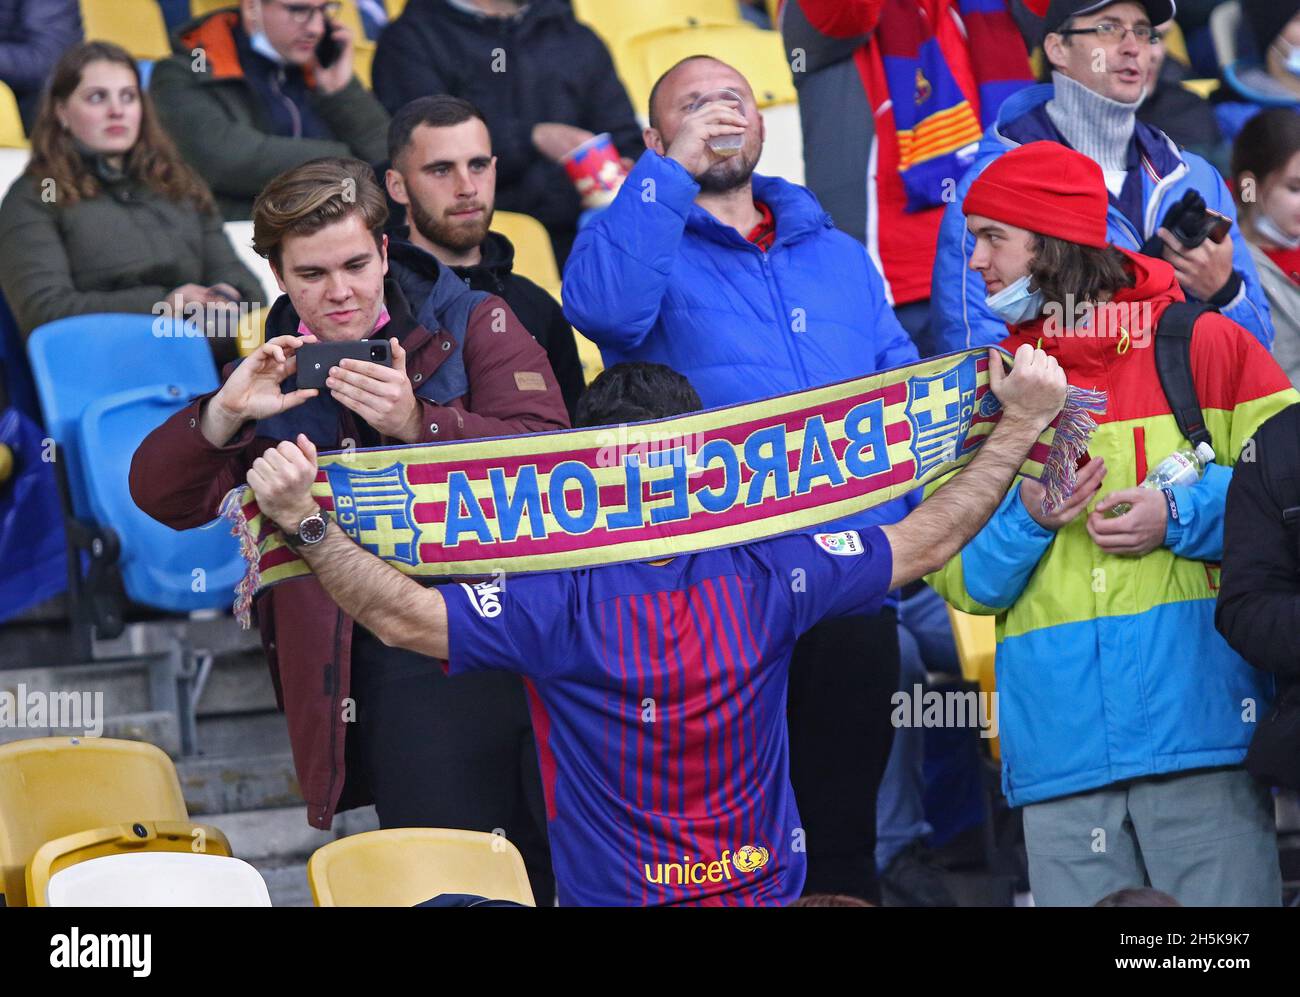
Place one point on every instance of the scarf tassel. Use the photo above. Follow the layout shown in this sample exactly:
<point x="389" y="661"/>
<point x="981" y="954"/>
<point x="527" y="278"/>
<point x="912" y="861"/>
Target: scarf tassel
<point x="232" y="508"/>
<point x="1074" y="428"/>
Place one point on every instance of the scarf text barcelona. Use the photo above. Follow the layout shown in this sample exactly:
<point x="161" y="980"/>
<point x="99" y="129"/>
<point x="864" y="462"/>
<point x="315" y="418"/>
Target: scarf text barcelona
<point x="724" y="476"/>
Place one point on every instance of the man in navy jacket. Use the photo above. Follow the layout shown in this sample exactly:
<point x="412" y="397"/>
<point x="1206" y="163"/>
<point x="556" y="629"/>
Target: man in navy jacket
<point x="743" y="284"/>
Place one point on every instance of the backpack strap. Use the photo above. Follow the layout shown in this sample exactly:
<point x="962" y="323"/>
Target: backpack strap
<point x="1174" y="366"/>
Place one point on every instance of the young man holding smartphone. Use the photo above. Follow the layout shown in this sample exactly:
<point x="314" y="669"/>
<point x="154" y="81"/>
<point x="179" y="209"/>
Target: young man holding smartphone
<point x="427" y="751"/>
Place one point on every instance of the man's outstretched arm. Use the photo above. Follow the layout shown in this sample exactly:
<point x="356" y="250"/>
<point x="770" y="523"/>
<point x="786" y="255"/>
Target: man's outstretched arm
<point x="393" y="607"/>
<point x="939" y="527"/>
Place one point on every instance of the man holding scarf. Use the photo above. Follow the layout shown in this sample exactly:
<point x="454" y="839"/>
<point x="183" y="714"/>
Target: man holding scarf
<point x="1124" y="715"/>
<point x="428" y="752"/>
<point x="658" y="687"/>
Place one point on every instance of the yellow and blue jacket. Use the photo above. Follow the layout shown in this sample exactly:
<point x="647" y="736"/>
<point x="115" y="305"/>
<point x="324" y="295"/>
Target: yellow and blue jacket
<point x="1109" y="667"/>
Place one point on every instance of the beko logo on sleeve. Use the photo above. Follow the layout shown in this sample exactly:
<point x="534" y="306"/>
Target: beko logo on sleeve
<point x="485" y="597"/>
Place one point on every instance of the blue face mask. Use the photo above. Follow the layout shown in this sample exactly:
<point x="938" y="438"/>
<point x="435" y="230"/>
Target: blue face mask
<point x="1292" y="56"/>
<point x="263" y="47"/>
<point x="1015" y="303"/>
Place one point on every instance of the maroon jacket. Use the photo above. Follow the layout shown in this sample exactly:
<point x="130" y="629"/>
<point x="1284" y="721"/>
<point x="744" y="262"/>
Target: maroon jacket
<point x="179" y="478"/>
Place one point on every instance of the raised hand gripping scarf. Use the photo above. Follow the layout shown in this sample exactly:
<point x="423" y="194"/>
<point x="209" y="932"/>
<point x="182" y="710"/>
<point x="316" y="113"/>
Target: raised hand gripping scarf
<point x="587" y="497"/>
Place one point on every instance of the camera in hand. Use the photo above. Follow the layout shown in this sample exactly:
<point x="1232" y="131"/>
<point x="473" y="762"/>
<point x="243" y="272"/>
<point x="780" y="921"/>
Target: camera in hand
<point x="1191" y="222"/>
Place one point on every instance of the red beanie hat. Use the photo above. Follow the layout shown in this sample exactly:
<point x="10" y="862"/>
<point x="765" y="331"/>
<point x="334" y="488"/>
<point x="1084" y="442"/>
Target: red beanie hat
<point x="1046" y="188"/>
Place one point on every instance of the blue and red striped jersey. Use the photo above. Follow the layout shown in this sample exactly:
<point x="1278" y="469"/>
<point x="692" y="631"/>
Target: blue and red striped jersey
<point x="658" y="695"/>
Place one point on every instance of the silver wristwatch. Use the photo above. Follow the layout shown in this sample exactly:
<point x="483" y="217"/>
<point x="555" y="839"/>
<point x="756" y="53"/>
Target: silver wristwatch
<point x="311" y="531"/>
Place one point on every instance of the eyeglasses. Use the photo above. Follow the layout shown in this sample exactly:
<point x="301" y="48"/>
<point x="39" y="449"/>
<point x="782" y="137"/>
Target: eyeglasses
<point x="302" y="13"/>
<point x="1113" y="31"/>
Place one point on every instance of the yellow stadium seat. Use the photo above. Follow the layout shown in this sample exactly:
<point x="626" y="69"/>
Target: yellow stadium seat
<point x="402" y="867"/>
<point x="350" y="18"/>
<point x="11" y="122"/>
<point x="535" y="260"/>
<point x="200" y="7"/>
<point x="51" y="787"/>
<point x="1203" y="88"/>
<point x="118" y="839"/>
<point x="1176" y="44"/>
<point x="976" y="640"/>
<point x="618" y="21"/>
<point x="136" y="25"/>
<point x="252" y="330"/>
<point x="362" y="60"/>
<point x="757" y="54"/>
<point x="589" y="356"/>
<point x="534" y="257"/>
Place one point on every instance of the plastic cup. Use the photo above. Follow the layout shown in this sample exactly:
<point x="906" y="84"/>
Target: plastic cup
<point x="723" y="145"/>
<point x="596" y="169"/>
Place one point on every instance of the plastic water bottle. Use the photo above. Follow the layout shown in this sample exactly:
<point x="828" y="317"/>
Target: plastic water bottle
<point x="1182" y="467"/>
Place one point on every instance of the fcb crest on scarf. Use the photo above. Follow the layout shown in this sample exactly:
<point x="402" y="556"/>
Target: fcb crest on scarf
<point x="724" y="476"/>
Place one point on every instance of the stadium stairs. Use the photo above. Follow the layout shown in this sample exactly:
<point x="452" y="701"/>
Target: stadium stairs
<point x="240" y="774"/>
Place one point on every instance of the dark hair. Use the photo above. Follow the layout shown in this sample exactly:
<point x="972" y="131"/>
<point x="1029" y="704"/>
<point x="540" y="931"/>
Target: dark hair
<point x="635" y="392"/>
<point x="320" y="192"/>
<point x="152" y="161"/>
<point x="1265" y="143"/>
<point x="439" y="111"/>
<point x="1060" y="269"/>
<point x="654" y="90"/>
<point x="830" y="900"/>
<point x="1137" y="896"/>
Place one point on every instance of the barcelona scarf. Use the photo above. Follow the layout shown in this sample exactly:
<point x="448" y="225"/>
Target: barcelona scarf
<point x="724" y="476"/>
<point x="937" y="126"/>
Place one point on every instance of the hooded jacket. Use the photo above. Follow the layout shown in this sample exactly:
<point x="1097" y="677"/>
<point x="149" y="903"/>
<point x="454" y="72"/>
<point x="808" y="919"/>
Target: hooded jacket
<point x="658" y="278"/>
<point x="417" y="270"/>
<point x="1159" y="175"/>
<point x="225" y="131"/>
<point x="179" y="478"/>
<point x="1108" y="666"/>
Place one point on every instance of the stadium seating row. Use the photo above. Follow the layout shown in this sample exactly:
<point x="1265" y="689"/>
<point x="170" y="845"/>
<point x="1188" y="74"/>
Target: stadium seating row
<point x="97" y="822"/>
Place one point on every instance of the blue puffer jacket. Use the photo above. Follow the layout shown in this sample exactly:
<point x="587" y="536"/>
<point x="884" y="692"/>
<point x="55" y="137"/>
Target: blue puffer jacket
<point x="959" y="317"/>
<point x="655" y="277"/>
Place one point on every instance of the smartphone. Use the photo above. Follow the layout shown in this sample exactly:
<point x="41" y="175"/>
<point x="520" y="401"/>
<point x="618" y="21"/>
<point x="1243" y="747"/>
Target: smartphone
<point x="1219" y="225"/>
<point x="316" y="359"/>
<point x="327" y="49"/>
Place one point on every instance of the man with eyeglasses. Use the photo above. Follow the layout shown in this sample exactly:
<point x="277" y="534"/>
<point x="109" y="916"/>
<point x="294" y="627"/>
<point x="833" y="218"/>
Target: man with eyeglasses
<point x="1102" y="54"/>
<point x="256" y="90"/>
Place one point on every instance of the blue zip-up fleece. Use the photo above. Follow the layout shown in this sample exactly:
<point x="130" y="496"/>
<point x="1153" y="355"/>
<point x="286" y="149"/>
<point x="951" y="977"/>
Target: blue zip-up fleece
<point x="657" y="278"/>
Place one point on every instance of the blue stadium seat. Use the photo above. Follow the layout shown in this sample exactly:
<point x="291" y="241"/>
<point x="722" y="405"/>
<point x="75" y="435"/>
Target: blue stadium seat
<point x="106" y="381"/>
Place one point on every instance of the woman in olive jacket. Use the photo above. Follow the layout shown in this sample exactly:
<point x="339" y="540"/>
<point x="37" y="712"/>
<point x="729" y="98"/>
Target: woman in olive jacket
<point x="107" y="216"/>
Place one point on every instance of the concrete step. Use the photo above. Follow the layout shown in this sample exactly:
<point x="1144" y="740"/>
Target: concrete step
<point x="121" y="687"/>
<point x="222" y="785"/>
<point x="155" y="727"/>
<point x="243" y="734"/>
<point x="239" y="682"/>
